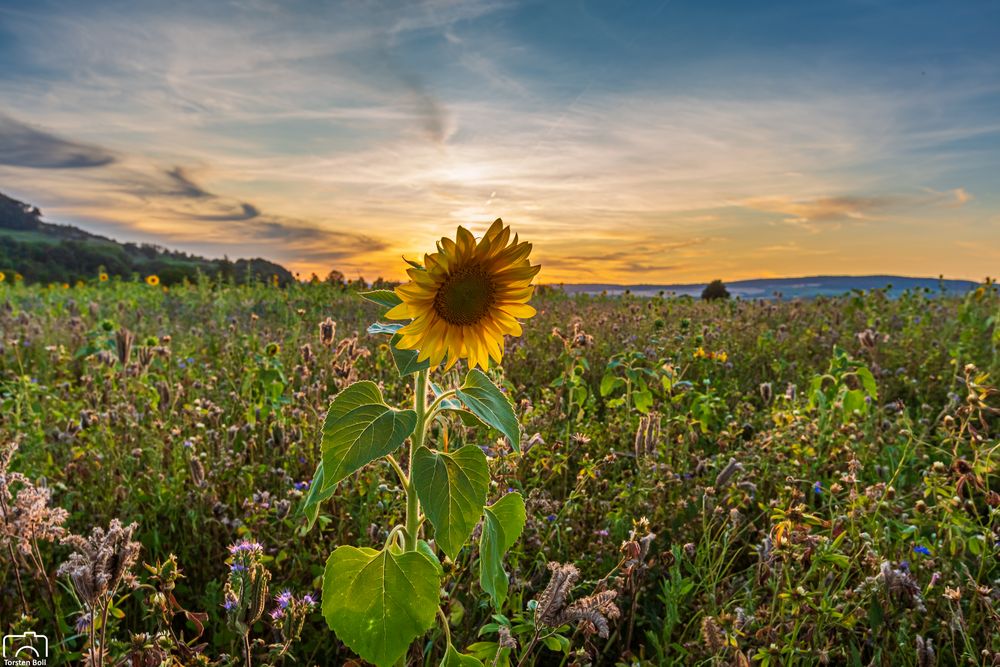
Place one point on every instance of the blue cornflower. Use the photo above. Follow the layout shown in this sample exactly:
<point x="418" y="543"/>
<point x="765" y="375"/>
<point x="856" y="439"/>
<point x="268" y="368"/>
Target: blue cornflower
<point x="921" y="549"/>
<point x="818" y="488"/>
<point x="551" y="517"/>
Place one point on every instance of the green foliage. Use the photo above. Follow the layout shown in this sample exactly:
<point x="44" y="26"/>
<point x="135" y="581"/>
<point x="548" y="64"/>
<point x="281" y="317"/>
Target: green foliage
<point x="452" y="658"/>
<point x="406" y="361"/>
<point x="54" y="254"/>
<point x="789" y="528"/>
<point x="490" y="405"/>
<point x="502" y="525"/>
<point x="379" y="601"/>
<point x="629" y="371"/>
<point x="848" y="387"/>
<point x="452" y="488"/>
<point x="359" y="429"/>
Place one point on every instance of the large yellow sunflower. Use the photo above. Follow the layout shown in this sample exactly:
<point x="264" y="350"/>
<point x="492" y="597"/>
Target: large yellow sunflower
<point x="466" y="298"/>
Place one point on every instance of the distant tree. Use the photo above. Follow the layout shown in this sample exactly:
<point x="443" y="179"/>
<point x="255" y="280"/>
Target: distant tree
<point x="715" y="290"/>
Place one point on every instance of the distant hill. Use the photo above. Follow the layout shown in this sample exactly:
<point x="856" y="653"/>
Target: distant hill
<point x="49" y="253"/>
<point x="788" y="288"/>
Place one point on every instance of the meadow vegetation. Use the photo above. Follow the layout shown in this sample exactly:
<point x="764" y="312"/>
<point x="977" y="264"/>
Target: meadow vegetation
<point x="703" y="482"/>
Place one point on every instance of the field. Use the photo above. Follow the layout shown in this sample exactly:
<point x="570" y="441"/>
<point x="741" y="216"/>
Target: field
<point x="714" y="483"/>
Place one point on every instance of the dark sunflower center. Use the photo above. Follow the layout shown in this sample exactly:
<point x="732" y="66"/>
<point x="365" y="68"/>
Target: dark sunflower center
<point x="466" y="296"/>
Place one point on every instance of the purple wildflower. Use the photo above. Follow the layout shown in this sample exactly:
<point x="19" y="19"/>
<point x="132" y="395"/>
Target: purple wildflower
<point x="245" y="546"/>
<point x="284" y="598"/>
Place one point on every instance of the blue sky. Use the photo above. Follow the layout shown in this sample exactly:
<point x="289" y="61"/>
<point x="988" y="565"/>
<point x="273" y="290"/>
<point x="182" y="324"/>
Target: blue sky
<point x="630" y="141"/>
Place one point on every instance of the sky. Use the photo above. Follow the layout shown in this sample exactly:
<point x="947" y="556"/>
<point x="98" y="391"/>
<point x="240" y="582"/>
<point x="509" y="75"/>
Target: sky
<point x="666" y="141"/>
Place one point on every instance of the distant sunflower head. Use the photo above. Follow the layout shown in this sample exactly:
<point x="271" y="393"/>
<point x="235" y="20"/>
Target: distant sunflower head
<point x="103" y="277"/>
<point x="467" y="298"/>
<point x="153" y="280"/>
<point x="3" y="276"/>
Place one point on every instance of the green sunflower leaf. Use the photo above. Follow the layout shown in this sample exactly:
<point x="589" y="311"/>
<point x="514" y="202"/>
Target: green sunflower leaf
<point x="452" y="658"/>
<point x="452" y="488"/>
<point x="406" y="360"/>
<point x="503" y="522"/>
<point x="360" y="428"/>
<point x="384" y="297"/>
<point x="485" y="400"/>
<point x="378" y="602"/>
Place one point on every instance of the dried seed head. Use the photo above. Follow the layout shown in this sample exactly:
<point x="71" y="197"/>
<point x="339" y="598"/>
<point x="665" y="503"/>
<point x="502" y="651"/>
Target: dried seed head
<point x="712" y="635"/>
<point x="327" y="332"/>
<point x="124" y="340"/>
<point x="505" y="639"/>
<point x="925" y="652"/>
<point x="726" y="474"/>
<point x="553" y="599"/>
<point x="197" y="472"/>
<point x="593" y="613"/>
<point x="101" y="563"/>
<point x="647" y="436"/>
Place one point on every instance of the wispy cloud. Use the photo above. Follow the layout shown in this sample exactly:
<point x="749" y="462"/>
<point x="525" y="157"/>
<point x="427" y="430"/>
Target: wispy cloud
<point x="352" y="134"/>
<point x="22" y="145"/>
<point x="852" y="207"/>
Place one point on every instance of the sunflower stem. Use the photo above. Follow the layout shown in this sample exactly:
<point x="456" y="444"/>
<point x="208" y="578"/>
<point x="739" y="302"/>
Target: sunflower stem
<point x="416" y="441"/>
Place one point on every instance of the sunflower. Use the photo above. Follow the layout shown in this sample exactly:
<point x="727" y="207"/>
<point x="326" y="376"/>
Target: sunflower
<point x="466" y="298"/>
<point x="3" y="276"/>
<point x="153" y="280"/>
<point x="103" y="277"/>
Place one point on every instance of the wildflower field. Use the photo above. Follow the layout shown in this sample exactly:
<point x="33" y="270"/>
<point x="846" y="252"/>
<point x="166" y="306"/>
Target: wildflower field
<point x="693" y="482"/>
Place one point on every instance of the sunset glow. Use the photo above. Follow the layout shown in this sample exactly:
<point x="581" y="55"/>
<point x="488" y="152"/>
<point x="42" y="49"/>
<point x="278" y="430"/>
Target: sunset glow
<point x="671" y="141"/>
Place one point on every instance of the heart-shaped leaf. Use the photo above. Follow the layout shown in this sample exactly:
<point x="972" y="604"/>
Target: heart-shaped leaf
<point x="490" y="405"/>
<point x="452" y="488"/>
<point x="378" y="602"/>
<point x="503" y="522"/>
<point x="360" y="428"/>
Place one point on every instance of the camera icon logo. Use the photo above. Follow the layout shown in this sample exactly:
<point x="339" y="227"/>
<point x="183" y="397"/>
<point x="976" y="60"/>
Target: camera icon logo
<point x="25" y="649"/>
